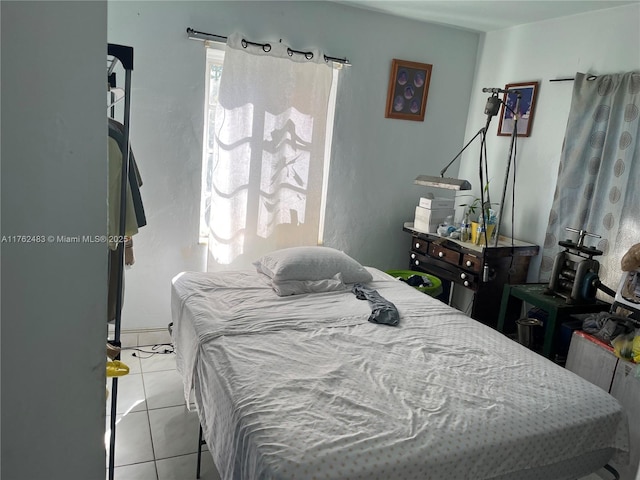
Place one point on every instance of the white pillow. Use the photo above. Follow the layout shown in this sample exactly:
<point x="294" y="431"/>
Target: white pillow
<point x="310" y="264"/>
<point x="298" y="287"/>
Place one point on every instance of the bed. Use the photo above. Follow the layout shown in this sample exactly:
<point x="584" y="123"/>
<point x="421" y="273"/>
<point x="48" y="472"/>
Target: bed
<point x="305" y="386"/>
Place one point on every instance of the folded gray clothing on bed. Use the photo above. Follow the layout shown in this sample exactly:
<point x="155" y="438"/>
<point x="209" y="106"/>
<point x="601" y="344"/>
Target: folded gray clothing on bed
<point x="382" y="310"/>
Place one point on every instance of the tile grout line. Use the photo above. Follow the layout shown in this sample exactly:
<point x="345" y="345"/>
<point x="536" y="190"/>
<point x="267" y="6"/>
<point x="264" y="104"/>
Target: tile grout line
<point x="146" y="404"/>
<point x="182" y="405"/>
<point x="144" y="374"/>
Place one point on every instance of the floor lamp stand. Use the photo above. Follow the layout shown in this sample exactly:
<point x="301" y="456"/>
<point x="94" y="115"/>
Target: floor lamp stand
<point x="510" y="159"/>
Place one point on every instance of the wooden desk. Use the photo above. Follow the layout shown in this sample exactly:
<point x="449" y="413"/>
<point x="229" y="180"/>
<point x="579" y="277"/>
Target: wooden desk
<point x="557" y="308"/>
<point x="463" y="264"/>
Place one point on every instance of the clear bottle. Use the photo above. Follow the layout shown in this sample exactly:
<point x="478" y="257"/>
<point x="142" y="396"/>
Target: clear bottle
<point x="480" y="235"/>
<point x="464" y="228"/>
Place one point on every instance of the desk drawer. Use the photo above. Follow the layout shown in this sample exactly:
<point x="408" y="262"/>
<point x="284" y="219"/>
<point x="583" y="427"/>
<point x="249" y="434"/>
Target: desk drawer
<point x="417" y="260"/>
<point x="444" y="271"/>
<point x="444" y="254"/>
<point x="468" y="280"/>
<point x="419" y="245"/>
<point x="471" y="262"/>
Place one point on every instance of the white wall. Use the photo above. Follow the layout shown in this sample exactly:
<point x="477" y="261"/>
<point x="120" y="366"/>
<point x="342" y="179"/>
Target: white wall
<point x="375" y="160"/>
<point x="54" y="182"/>
<point x="600" y="42"/>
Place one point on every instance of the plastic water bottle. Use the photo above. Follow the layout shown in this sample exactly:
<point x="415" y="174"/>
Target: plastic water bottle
<point x="480" y="234"/>
<point x="464" y="228"/>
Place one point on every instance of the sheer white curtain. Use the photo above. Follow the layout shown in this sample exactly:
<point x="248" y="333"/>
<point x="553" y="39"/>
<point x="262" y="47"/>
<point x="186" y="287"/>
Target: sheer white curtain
<point x="598" y="186"/>
<point x="269" y="153"/>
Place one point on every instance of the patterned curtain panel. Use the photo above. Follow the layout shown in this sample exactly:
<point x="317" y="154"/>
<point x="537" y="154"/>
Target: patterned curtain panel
<point x="598" y="187"/>
<point x="269" y="152"/>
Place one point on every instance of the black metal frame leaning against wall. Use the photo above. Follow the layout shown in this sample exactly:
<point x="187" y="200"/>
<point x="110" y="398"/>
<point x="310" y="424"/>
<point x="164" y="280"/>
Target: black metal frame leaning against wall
<point x="123" y="55"/>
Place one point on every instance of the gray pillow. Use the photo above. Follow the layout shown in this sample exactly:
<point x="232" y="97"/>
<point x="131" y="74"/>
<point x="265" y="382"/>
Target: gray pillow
<point x="311" y="263"/>
<point x="298" y="287"/>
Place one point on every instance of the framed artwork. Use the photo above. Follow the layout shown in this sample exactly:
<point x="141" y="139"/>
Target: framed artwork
<point x="528" y="91"/>
<point x="408" y="90"/>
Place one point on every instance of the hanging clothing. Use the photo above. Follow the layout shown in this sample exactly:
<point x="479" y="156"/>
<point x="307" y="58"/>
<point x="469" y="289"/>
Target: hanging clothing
<point x="113" y="276"/>
<point x="115" y="173"/>
<point x="129" y="259"/>
<point x="134" y="211"/>
<point x="116" y="131"/>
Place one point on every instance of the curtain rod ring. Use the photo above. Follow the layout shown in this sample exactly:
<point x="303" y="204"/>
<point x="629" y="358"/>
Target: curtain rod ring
<point x="265" y="46"/>
<point x="196" y="35"/>
<point x="307" y="55"/>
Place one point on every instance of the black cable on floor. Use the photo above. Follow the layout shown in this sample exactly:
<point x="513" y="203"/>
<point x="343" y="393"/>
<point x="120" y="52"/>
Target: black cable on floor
<point x="155" y="350"/>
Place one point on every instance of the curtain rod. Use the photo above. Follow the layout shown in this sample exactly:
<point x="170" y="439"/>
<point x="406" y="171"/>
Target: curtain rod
<point x="589" y="78"/>
<point x="195" y="35"/>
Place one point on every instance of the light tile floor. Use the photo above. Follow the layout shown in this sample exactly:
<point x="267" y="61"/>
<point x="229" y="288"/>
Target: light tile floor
<point x="156" y="436"/>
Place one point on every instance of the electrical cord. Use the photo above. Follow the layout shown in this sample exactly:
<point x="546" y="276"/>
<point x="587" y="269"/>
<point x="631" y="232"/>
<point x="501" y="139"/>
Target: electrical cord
<point x="482" y="213"/>
<point x="168" y="350"/>
<point x="513" y="187"/>
<point x="513" y="201"/>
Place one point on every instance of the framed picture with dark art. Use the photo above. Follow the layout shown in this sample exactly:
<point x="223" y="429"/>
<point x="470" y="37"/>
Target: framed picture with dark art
<point x="528" y="92"/>
<point x="408" y="90"/>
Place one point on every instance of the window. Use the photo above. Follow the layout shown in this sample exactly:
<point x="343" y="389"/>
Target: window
<point x="266" y="154"/>
<point x="215" y="59"/>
